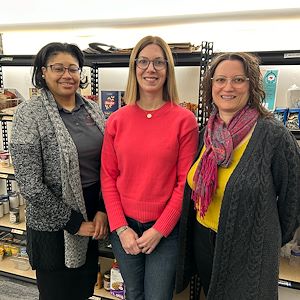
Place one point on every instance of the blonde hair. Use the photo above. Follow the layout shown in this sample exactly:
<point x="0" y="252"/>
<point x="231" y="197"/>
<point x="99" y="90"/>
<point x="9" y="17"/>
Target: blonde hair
<point x="169" y="89"/>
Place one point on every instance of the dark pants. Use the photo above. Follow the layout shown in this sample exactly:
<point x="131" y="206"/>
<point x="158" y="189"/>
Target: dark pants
<point x="77" y="283"/>
<point x="204" y="246"/>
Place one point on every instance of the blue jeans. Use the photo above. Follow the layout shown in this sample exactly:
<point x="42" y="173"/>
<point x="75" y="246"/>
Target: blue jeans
<point x="148" y="276"/>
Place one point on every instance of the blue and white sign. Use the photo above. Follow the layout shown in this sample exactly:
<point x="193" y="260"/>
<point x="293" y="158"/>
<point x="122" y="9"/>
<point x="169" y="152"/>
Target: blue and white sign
<point x="270" y="86"/>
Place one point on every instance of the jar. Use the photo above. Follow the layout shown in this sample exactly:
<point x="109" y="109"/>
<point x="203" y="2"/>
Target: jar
<point x="13" y="199"/>
<point x="14" y="215"/>
<point x="5" y="202"/>
<point x="4" y="159"/>
<point x="106" y="280"/>
<point x="1" y="210"/>
<point x="21" y="199"/>
<point x="295" y="256"/>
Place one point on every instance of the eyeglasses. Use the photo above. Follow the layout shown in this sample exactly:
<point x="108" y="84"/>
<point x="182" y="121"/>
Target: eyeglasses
<point x="59" y="69"/>
<point x="158" y="63"/>
<point x="236" y="81"/>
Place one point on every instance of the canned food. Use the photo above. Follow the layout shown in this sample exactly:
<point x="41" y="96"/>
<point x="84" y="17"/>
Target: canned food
<point x="14" y="216"/>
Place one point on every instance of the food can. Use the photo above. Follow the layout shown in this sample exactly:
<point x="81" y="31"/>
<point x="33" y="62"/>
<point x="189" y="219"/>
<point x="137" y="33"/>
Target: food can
<point x="14" y="215"/>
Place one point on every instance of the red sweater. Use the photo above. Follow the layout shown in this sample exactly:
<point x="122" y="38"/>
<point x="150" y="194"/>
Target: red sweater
<point x="144" y="164"/>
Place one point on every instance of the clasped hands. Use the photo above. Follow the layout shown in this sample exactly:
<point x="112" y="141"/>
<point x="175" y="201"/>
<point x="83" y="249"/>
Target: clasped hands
<point x="132" y="244"/>
<point x="98" y="228"/>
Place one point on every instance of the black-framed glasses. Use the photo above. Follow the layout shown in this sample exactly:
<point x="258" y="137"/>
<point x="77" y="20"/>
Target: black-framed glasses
<point x="59" y="69"/>
<point x="158" y="63"/>
<point x="236" y="81"/>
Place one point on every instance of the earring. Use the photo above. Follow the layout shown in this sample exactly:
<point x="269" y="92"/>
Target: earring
<point x="43" y="76"/>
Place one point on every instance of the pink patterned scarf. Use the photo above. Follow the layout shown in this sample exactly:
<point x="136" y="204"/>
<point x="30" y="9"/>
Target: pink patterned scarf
<point x="220" y="140"/>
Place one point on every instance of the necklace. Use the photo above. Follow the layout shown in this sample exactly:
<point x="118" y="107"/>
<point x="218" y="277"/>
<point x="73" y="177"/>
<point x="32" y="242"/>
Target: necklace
<point x="149" y="113"/>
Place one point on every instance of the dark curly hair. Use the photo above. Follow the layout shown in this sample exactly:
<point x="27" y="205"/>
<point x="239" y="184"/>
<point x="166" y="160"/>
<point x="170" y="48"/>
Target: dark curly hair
<point x="252" y="71"/>
<point x="52" y="49"/>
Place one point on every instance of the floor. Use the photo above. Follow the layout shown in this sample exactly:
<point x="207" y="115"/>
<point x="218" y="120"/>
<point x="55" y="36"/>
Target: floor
<point x="284" y="294"/>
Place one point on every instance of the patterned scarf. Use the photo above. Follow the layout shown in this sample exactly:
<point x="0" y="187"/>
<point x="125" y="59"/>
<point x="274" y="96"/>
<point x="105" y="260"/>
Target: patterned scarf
<point x="220" y="140"/>
<point x="75" y="245"/>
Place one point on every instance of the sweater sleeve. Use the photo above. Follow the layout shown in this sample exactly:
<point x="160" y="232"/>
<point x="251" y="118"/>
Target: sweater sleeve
<point x="26" y="152"/>
<point x="188" y="142"/>
<point x="286" y="166"/>
<point x="109" y="175"/>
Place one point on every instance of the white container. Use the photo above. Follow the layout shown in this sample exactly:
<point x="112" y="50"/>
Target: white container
<point x="1" y="210"/>
<point x="293" y="96"/>
<point x="5" y="202"/>
<point x="13" y="200"/>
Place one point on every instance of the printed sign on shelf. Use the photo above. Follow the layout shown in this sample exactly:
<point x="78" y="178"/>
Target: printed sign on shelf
<point x="270" y="80"/>
<point x="110" y="101"/>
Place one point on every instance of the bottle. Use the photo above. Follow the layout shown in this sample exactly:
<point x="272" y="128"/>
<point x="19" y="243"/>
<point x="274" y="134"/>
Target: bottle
<point x="99" y="278"/>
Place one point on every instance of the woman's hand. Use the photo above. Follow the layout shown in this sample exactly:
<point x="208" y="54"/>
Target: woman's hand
<point x="128" y="240"/>
<point x="149" y="240"/>
<point x="86" y="229"/>
<point x="101" y="225"/>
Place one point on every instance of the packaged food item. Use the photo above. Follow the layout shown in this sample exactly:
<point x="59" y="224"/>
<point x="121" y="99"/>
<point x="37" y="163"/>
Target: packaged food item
<point x="117" y="286"/>
<point x="5" y="202"/>
<point x="13" y="199"/>
<point x="281" y="114"/>
<point x="106" y="280"/>
<point x="293" y="119"/>
<point x="1" y="209"/>
<point x="14" y="215"/>
<point x="4" y="159"/>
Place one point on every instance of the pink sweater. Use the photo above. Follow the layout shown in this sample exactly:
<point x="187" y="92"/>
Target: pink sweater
<point x="144" y="164"/>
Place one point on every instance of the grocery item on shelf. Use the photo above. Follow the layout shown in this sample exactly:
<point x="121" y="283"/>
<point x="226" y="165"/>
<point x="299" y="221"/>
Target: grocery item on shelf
<point x="4" y="159"/>
<point x="117" y="285"/>
<point x="293" y="119"/>
<point x="9" y="98"/>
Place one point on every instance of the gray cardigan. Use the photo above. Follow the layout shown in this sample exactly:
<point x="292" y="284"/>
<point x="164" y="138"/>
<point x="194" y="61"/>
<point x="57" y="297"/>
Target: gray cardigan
<point x="260" y="212"/>
<point x="47" y="171"/>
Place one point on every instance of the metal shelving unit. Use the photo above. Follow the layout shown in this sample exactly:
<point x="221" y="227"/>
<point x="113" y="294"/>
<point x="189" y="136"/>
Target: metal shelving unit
<point x="199" y="58"/>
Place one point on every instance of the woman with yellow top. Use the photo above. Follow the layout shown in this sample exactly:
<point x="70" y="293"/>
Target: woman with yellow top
<point x="241" y="201"/>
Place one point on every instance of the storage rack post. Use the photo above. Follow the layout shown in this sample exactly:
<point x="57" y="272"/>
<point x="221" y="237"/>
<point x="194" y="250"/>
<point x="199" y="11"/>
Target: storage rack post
<point x="1" y="78"/>
<point x="95" y="80"/>
<point x="205" y="59"/>
<point x="5" y="147"/>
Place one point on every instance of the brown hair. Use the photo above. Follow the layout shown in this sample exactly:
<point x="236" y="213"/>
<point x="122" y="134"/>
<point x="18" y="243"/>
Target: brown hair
<point x="169" y="89"/>
<point x="252" y="71"/>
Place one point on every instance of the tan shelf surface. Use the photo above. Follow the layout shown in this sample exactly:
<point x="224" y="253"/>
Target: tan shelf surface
<point x="4" y="221"/>
<point x="7" y="265"/>
<point x="6" y="170"/>
<point x="287" y="272"/>
<point x="103" y="293"/>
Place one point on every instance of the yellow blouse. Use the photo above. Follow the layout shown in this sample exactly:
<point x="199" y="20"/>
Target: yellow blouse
<point x="211" y="218"/>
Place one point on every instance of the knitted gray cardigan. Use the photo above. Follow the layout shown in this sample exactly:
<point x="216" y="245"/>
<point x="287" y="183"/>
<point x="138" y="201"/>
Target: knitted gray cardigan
<point x="47" y="170"/>
<point x="260" y="212"/>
